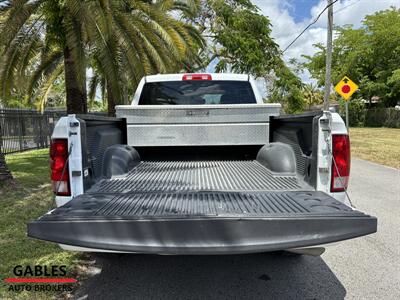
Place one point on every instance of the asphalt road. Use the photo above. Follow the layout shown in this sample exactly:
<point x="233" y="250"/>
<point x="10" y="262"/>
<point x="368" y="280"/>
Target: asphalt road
<point x="363" y="268"/>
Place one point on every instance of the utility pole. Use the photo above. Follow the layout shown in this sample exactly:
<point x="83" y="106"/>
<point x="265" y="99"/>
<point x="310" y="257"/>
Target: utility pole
<point x="328" y="56"/>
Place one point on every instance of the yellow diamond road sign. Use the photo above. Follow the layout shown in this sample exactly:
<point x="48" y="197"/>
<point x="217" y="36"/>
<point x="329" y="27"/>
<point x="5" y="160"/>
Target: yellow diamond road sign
<point x="346" y="87"/>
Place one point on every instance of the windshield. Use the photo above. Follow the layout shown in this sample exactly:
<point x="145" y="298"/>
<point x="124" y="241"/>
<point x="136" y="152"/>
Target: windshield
<point x="197" y="92"/>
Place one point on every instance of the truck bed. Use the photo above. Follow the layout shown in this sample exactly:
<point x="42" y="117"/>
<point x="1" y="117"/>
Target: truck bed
<point x="200" y="188"/>
<point x="212" y="175"/>
<point x="201" y="207"/>
<point x="234" y="193"/>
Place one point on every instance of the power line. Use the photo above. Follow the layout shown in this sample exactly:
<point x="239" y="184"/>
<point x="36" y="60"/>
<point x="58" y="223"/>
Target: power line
<point x="344" y="7"/>
<point x="309" y="25"/>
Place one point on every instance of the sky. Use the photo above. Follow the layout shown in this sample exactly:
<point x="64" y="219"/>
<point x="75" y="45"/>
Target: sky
<point x="290" y="17"/>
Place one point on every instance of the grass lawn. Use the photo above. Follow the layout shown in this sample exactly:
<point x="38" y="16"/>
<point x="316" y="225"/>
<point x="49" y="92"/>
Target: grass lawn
<point x="28" y="197"/>
<point x="380" y="145"/>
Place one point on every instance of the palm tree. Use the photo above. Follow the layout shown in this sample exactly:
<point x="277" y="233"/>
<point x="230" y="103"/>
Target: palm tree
<point x="146" y="40"/>
<point x="45" y="39"/>
<point x="39" y="34"/>
<point x="311" y="95"/>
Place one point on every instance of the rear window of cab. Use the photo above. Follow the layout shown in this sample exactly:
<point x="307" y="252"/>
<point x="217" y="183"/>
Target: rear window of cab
<point x="188" y="92"/>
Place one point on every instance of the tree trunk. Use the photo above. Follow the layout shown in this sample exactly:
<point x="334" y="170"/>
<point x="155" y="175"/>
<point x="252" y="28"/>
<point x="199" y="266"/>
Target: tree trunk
<point x="110" y="101"/>
<point x="76" y="91"/>
<point x="5" y="173"/>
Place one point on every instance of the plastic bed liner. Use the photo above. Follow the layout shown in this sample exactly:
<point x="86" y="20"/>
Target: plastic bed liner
<point x="209" y="207"/>
<point x="242" y="175"/>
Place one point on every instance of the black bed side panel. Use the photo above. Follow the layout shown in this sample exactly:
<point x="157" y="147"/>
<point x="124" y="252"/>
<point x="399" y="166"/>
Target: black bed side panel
<point x="301" y="133"/>
<point x="97" y="134"/>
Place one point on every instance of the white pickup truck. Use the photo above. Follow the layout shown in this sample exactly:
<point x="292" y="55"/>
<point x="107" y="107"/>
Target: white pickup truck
<point x="198" y="164"/>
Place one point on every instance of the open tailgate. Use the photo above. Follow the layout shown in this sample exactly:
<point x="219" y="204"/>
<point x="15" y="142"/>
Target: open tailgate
<point x="202" y="222"/>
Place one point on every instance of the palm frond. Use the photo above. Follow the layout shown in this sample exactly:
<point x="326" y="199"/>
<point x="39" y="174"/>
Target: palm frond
<point x="9" y="65"/>
<point x="30" y="51"/>
<point x="105" y="47"/>
<point x="47" y="84"/>
<point x="189" y="9"/>
<point x="18" y="14"/>
<point x="123" y="39"/>
<point x="48" y="64"/>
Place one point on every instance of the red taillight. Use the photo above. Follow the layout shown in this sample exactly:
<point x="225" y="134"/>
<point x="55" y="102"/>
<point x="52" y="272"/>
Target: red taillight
<point x="341" y="156"/>
<point x="196" y="77"/>
<point x="59" y="167"/>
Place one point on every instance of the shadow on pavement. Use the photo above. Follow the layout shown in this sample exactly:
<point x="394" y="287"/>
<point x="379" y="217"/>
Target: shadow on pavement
<point x="255" y="276"/>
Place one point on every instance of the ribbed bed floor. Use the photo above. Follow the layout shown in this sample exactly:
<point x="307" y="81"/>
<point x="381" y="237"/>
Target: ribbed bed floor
<point x="244" y="204"/>
<point x="172" y="176"/>
<point x="155" y="189"/>
<point x="233" y="203"/>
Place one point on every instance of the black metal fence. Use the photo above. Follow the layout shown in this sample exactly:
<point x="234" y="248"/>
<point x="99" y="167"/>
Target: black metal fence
<point x="23" y="129"/>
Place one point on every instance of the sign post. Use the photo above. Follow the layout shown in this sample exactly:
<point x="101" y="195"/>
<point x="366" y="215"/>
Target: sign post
<point x="345" y="88"/>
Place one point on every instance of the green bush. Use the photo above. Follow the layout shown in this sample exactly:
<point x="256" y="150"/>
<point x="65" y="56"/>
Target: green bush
<point x="382" y="117"/>
<point x="356" y="112"/>
<point x="393" y="118"/>
<point x="359" y="116"/>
